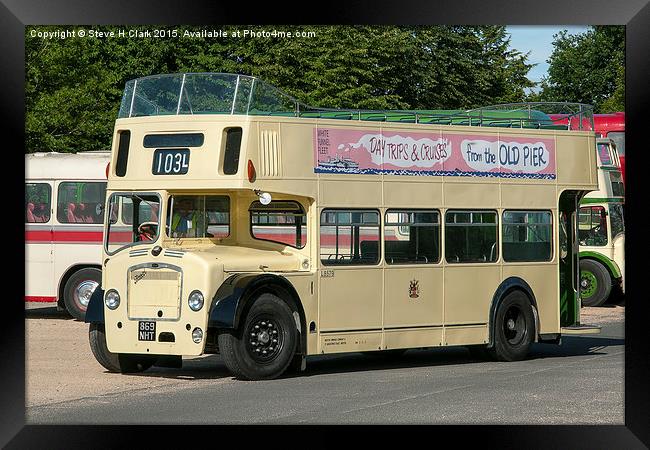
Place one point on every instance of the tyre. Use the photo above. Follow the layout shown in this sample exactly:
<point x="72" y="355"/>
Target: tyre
<point x="78" y="289"/>
<point x="595" y="283"/>
<point x="514" y="328"/>
<point x="264" y="346"/>
<point x="115" y="362"/>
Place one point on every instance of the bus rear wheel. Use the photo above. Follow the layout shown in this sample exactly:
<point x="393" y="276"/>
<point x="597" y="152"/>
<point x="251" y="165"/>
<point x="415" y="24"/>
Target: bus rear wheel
<point x="78" y="289"/>
<point x="264" y="346"/>
<point x="513" y="328"/>
<point x="115" y="362"/>
<point x="595" y="283"/>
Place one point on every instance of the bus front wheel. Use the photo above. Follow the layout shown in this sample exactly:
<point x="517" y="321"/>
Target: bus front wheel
<point x="78" y="289"/>
<point x="513" y="328"/>
<point x="264" y="346"/>
<point x="595" y="283"/>
<point x="115" y="362"/>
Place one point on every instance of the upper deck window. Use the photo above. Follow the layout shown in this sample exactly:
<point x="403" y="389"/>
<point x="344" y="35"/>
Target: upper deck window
<point x="231" y="150"/>
<point x="124" y="137"/>
<point x="619" y="139"/>
<point x="173" y="140"/>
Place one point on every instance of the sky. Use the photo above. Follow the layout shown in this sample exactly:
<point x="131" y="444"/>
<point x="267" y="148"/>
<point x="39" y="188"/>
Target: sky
<point x="539" y="41"/>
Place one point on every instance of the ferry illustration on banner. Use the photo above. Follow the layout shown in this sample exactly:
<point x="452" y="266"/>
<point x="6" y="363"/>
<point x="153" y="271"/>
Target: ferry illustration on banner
<point x="338" y="162"/>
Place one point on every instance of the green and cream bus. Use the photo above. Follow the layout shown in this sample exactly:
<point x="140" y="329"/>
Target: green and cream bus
<point x="601" y="230"/>
<point x="284" y="231"/>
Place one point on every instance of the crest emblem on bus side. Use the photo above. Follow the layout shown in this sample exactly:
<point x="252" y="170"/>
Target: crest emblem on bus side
<point x="414" y="289"/>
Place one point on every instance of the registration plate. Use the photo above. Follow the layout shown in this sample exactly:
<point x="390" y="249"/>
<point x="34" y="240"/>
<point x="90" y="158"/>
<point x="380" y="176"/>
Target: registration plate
<point x="146" y="331"/>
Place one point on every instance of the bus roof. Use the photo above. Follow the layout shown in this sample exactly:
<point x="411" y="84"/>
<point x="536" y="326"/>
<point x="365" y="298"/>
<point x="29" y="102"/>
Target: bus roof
<point x="226" y="93"/>
<point x="89" y="165"/>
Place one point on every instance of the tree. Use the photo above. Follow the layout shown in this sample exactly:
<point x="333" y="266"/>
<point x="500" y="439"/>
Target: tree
<point x="588" y="68"/>
<point x="74" y="85"/>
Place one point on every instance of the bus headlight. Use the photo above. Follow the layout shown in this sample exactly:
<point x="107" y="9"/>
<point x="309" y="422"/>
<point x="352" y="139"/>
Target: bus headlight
<point x="112" y="299"/>
<point x="196" y="301"/>
<point x="197" y="335"/>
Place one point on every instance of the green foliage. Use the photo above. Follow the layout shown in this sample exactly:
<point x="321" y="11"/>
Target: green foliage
<point x="588" y="68"/>
<point x="74" y="85"/>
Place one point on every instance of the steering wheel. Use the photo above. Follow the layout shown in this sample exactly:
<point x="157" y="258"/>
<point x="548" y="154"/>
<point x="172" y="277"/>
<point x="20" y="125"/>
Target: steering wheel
<point x="147" y="231"/>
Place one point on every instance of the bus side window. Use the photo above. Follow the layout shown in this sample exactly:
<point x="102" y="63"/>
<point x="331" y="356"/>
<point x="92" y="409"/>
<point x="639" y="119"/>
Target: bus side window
<point x="349" y="237"/>
<point x="471" y="236"/>
<point x="78" y="202"/>
<point x="411" y="237"/>
<point x="37" y="202"/>
<point x="526" y="236"/>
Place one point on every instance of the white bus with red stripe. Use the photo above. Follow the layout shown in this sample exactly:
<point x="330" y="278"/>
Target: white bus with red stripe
<point x="64" y="219"/>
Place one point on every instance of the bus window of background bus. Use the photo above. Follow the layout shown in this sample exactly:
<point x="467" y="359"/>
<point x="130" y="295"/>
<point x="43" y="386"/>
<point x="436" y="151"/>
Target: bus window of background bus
<point x="603" y="153"/>
<point x="616" y="219"/>
<point x="470" y="236"/>
<point x="198" y="216"/>
<point x="412" y="237"/>
<point x="349" y="237"/>
<point x="526" y="236"/>
<point x="592" y="226"/>
<point x="618" y="188"/>
<point x="140" y="229"/>
<point x="619" y="139"/>
<point x="81" y="202"/>
<point x="37" y="202"/>
<point x="284" y="222"/>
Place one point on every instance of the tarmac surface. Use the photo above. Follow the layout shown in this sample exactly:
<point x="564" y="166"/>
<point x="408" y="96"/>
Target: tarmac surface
<point x="580" y="381"/>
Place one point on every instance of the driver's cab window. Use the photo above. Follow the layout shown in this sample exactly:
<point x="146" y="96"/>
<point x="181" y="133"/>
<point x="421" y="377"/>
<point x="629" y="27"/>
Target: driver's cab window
<point x="132" y="220"/>
<point x="198" y="216"/>
<point x="592" y="226"/>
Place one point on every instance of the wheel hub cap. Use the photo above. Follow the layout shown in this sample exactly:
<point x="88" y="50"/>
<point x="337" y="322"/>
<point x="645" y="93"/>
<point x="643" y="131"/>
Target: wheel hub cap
<point x="85" y="290"/>
<point x="264" y="340"/>
<point x="511" y="324"/>
<point x="263" y="337"/>
<point x="588" y="284"/>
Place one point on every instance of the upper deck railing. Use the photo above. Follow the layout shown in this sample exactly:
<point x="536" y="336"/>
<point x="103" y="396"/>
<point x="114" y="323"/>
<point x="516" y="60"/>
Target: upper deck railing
<point x="225" y="93"/>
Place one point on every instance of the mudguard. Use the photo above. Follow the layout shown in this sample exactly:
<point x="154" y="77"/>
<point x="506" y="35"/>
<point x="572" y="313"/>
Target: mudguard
<point x="95" y="309"/>
<point x="229" y="301"/>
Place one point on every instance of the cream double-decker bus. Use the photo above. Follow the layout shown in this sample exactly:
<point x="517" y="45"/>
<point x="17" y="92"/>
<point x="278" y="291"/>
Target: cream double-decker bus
<point x="284" y="231"/>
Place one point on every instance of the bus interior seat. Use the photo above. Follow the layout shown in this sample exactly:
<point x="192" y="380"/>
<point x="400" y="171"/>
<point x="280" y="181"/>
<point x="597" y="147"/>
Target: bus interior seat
<point x="154" y="213"/>
<point x="30" y="213"/>
<point x="369" y="250"/>
<point x="70" y="215"/>
<point x="43" y="212"/>
<point x="82" y="215"/>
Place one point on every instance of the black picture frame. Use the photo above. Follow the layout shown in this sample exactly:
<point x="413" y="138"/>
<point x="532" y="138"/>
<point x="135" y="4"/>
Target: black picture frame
<point x="635" y="14"/>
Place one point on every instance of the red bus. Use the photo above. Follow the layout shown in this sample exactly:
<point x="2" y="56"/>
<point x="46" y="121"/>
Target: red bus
<point x="608" y="126"/>
<point x="613" y="126"/>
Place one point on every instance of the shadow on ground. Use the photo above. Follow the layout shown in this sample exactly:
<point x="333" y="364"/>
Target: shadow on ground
<point x="212" y="367"/>
<point x="46" y="311"/>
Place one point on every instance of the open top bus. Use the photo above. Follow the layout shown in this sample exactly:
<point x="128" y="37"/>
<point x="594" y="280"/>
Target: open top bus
<point x="283" y="230"/>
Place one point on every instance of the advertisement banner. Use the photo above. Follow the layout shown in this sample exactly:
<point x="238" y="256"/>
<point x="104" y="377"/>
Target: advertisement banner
<point x="390" y="152"/>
